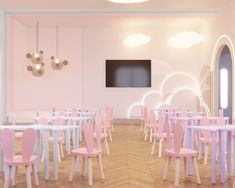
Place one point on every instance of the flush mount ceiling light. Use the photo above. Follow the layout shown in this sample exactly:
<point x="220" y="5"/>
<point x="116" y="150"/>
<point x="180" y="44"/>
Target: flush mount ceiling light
<point x="57" y="63"/>
<point x="36" y="58"/>
<point x="136" y="40"/>
<point x="128" y="1"/>
<point x="185" y="39"/>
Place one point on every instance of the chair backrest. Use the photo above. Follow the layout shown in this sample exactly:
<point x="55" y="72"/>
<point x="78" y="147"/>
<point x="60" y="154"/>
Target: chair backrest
<point x="205" y="134"/>
<point x="28" y="141"/>
<point x="43" y="121"/>
<point x="88" y="136"/>
<point x="8" y="144"/>
<point x="59" y="121"/>
<point x="221" y="121"/>
<point x="104" y="122"/>
<point x="168" y="136"/>
<point x="161" y="123"/>
<point x="146" y="114"/>
<point x="221" y="113"/>
<point x="178" y="137"/>
<point x="98" y="130"/>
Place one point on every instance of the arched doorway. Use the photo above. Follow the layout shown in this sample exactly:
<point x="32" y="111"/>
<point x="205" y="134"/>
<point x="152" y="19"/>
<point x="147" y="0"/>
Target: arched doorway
<point x="222" y="77"/>
<point x="225" y="82"/>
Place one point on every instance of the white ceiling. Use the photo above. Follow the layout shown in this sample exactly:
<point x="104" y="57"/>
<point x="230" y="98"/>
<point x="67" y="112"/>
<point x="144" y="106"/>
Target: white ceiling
<point x="87" y="13"/>
<point x="109" y="7"/>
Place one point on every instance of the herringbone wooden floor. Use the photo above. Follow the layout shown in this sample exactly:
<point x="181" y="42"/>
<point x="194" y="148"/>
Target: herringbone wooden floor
<point x="130" y="165"/>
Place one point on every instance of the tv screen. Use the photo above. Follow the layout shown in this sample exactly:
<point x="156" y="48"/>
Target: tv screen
<point x="128" y="73"/>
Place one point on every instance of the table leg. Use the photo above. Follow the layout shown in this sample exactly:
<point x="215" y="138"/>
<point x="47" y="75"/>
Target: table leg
<point x="213" y="160"/>
<point x="55" y="156"/>
<point x="46" y="153"/>
<point x="229" y="155"/>
<point x="222" y="149"/>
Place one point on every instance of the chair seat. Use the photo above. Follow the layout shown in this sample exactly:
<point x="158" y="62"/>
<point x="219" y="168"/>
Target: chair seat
<point x="184" y="152"/>
<point x="103" y="135"/>
<point x="84" y="153"/>
<point x="207" y="140"/>
<point x="18" y="160"/>
<point x="159" y="135"/>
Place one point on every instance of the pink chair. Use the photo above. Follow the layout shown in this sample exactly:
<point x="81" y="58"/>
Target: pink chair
<point x="206" y="137"/>
<point x="27" y="158"/>
<point x="148" y="125"/>
<point x="88" y="152"/>
<point x="108" y="122"/>
<point x="104" y="129"/>
<point x="175" y="149"/>
<point x="159" y="133"/>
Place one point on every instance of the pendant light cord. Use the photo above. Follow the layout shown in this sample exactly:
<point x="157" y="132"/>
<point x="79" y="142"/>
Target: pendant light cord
<point x="57" y="38"/>
<point x="37" y="36"/>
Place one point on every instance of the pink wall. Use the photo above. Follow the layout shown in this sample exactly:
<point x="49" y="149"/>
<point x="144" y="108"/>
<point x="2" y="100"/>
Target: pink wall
<point x="55" y="88"/>
<point x="82" y="82"/>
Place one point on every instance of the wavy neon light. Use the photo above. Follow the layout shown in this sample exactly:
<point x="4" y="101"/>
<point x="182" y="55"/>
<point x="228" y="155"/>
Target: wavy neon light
<point x="176" y="74"/>
<point x="131" y="107"/>
<point x="150" y="93"/>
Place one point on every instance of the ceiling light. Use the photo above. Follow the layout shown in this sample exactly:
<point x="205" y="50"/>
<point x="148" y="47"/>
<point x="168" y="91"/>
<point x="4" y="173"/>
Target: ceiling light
<point x="36" y="58"/>
<point x="57" y="63"/>
<point x="128" y="1"/>
<point x="136" y="40"/>
<point x="185" y="39"/>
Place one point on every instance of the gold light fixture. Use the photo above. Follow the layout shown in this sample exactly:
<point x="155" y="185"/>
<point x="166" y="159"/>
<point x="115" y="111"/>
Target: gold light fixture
<point x="57" y="63"/>
<point x="36" y="58"/>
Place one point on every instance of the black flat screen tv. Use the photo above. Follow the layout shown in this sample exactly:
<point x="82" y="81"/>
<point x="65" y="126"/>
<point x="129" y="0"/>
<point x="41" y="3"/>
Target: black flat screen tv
<point x="128" y="73"/>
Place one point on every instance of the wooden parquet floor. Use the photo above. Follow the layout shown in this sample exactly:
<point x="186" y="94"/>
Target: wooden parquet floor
<point x="130" y="165"/>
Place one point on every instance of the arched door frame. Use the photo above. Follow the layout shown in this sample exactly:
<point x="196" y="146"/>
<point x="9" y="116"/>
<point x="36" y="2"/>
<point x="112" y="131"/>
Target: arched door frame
<point x="223" y="40"/>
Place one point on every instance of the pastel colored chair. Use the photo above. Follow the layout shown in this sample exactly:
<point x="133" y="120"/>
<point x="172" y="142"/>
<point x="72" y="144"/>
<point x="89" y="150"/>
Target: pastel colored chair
<point x="159" y="133"/>
<point x="149" y="126"/>
<point x="27" y="158"/>
<point x="175" y="150"/>
<point x="104" y="130"/>
<point x="108" y="122"/>
<point x="92" y="150"/>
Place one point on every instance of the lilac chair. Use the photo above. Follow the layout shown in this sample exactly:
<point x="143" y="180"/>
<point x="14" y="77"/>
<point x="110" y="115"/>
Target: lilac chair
<point x="175" y="149"/>
<point x="90" y="151"/>
<point x="27" y="158"/>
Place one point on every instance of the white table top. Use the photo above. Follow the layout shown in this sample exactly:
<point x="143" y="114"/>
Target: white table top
<point x="63" y="117"/>
<point x="39" y="127"/>
<point x="213" y="127"/>
<point x="197" y="118"/>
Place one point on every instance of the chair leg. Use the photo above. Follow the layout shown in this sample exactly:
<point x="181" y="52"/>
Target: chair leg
<point x="146" y="134"/>
<point x="196" y="170"/>
<point x="28" y="177"/>
<point x="206" y="154"/>
<point x="177" y="171"/>
<point x="42" y="157"/>
<point x="14" y="178"/>
<point x="185" y="166"/>
<point x="110" y="135"/>
<point x="99" y="160"/>
<point x="154" y="145"/>
<point x="58" y="151"/>
<point x="106" y="146"/>
<point x="151" y="135"/>
<point x="89" y="171"/>
<point x="83" y="166"/>
<point x="35" y="175"/>
<point x="61" y="150"/>
<point x="72" y="169"/>
<point x="166" y="169"/>
<point x="7" y="176"/>
<point x="200" y="152"/>
<point x="160" y="149"/>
